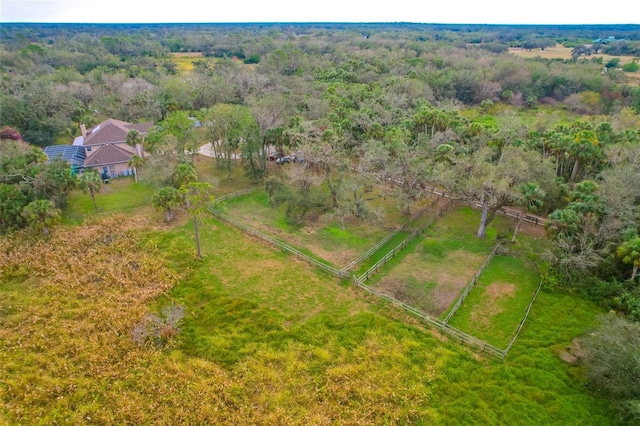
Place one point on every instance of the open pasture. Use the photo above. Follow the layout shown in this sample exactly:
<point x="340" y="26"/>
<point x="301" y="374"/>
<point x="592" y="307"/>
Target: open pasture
<point x="560" y="52"/>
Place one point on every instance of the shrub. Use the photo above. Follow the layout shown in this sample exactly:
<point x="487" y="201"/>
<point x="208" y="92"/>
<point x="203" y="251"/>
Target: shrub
<point x="631" y="67"/>
<point x="253" y="59"/>
<point x="612" y="360"/>
<point x="10" y="134"/>
<point x="159" y="331"/>
<point x="613" y="63"/>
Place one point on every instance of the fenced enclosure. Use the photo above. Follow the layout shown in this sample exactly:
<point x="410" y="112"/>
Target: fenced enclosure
<point x="443" y="325"/>
<point x="375" y="268"/>
<point x="470" y="285"/>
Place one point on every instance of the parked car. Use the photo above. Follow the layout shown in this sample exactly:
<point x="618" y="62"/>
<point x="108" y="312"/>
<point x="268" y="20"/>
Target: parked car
<point x="283" y="160"/>
<point x="274" y="156"/>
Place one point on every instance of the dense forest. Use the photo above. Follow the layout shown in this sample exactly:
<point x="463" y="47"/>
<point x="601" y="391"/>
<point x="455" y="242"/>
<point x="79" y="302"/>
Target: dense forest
<point x="450" y="106"/>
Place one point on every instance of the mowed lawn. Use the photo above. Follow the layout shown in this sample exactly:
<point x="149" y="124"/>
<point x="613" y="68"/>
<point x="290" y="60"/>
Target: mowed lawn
<point x="266" y="340"/>
<point x="121" y="195"/>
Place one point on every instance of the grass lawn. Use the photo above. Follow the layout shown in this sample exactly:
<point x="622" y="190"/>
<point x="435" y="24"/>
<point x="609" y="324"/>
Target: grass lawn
<point x="208" y="171"/>
<point x="320" y="236"/>
<point x="431" y="272"/>
<point x="495" y="306"/>
<point x="121" y="195"/>
<point x="266" y="340"/>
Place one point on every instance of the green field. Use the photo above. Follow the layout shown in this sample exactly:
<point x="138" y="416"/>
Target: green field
<point x="267" y="339"/>
<point x="121" y="195"/>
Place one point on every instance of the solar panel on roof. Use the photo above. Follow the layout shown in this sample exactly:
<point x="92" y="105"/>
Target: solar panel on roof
<point x="69" y="153"/>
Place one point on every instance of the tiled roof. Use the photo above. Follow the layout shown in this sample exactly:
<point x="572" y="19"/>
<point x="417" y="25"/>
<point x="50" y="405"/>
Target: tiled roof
<point x="108" y="154"/>
<point x="112" y="131"/>
<point x="142" y="127"/>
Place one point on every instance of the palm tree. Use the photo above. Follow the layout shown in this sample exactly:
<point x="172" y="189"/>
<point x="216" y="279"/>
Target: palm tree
<point x="532" y="199"/>
<point x="134" y="139"/>
<point x="183" y="174"/>
<point x="41" y="215"/>
<point x="629" y="252"/>
<point x="136" y="162"/>
<point x="198" y="199"/>
<point x="562" y="223"/>
<point x="90" y="182"/>
<point x="167" y="198"/>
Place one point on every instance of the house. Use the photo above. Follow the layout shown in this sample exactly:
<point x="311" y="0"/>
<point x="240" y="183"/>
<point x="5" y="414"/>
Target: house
<point x="106" y="148"/>
<point x="74" y="155"/>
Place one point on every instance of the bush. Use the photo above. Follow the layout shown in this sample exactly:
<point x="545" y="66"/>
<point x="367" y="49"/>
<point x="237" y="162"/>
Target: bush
<point x="631" y="67"/>
<point x="612" y="360"/>
<point x="253" y="59"/>
<point x="612" y="356"/>
<point x="159" y="331"/>
<point x="10" y="134"/>
<point x="613" y="63"/>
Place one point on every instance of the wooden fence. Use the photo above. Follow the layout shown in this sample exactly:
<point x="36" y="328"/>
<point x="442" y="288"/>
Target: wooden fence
<point x="284" y="246"/>
<point x="438" y="214"/>
<point x="236" y="194"/>
<point x="470" y="285"/>
<point x="526" y="314"/>
<point x="458" y="335"/>
<point x="372" y="250"/>
<point x="506" y="211"/>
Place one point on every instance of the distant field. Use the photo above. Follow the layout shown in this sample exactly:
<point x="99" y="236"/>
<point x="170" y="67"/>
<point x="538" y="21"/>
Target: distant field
<point x="184" y="60"/>
<point x="561" y="52"/>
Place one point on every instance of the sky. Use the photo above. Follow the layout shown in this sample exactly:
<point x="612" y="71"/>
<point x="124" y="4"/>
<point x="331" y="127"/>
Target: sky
<point x="421" y="11"/>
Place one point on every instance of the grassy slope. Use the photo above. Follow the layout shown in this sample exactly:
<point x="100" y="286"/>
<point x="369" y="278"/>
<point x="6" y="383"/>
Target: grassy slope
<point x="267" y="340"/>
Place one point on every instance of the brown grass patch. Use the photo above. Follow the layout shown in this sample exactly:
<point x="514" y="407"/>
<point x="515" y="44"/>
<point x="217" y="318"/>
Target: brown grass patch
<point x="573" y="353"/>
<point x="490" y="304"/>
<point x="187" y="54"/>
<point x="561" y="52"/>
<point x="450" y="275"/>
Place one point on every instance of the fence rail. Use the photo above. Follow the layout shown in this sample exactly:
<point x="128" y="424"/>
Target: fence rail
<point x="471" y="284"/>
<point x="284" y="246"/>
<point x="236" y="194"/>
<point x="372" y="250"/>
<point x="459" y="335"/>
<point x="524" y="319"/>
<point x="365" y="276"/>
<point x="506" y="211"/>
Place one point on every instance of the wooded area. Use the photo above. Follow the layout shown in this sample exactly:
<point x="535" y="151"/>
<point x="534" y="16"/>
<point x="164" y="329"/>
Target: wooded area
<point x="358" y="111"/>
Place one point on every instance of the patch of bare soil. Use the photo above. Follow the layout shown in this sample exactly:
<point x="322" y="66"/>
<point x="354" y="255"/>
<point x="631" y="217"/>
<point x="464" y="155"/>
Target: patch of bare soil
<point x="573" y="353"/>
<point x="531" y="230"/>
<point x="491" y="303"/>
<point x="187" y="54"/>
<point x="450" y="276"/>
